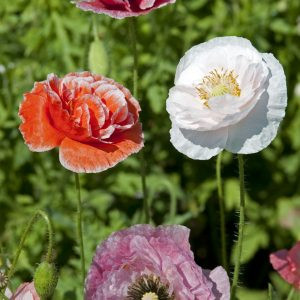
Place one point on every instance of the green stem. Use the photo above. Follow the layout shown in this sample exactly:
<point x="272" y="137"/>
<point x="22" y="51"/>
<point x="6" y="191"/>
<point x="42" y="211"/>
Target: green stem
<point x="222" y="210"/>
<point x="241" y="228"/>
<point x="132" y="27"/>
<point x="79" y="227"/>
<point x="86" y="47"/>
<point x="49" y="255"/>
<point x="291" y="294"/>
<point x="173" y="207"/>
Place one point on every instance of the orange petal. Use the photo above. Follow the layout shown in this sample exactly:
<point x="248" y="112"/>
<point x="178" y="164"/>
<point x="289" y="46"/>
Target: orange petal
<point x="87" y="158"/>
<point x="38" y="133"/>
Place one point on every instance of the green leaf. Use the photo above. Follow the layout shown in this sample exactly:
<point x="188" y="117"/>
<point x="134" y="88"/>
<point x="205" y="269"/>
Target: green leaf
<point x="157" y="96"/>
<point x="232" y="194"/>
<point x="272" y="295"/>
<point x="247" y="294"/>
<point x="289" y="215"/>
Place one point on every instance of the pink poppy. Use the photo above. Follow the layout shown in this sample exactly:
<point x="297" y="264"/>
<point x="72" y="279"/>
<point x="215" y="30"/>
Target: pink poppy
<point x="26" y="291"/>
<point x="143" y="262"/>
<point x="287" y="264"/>
<point x="120" y="9"/>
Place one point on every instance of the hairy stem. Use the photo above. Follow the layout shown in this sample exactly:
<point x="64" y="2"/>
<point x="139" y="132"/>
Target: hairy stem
<point x="222" y="210"/>
<point x="49" y="255"/>
<point x="241" y="228"/>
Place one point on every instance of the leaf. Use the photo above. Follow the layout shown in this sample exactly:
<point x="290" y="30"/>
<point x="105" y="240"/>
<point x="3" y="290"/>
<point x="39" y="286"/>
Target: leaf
<point x="289" y="215"/>
<point x="231" y="194"/>
<point x="247" y="294"/>
<point x="272" y="295"/>
<point x="157" y="96"/>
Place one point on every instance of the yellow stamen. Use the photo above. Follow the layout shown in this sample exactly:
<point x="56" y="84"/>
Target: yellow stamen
<point x="218" y="83"/>
<point x="150" y="296"/>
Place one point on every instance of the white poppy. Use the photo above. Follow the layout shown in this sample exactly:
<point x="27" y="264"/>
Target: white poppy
<point x="227" y="95"/>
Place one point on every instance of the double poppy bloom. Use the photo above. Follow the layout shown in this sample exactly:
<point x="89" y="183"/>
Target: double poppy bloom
<point x="120" y="9"/>
<point x="92" y="119"/>
<point x="287" y="264"/>
<point x="145" y="262"/>
<point x="26" y="291"/>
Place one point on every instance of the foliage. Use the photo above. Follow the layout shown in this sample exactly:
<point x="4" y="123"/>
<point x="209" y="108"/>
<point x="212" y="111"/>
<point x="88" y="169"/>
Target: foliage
<point x="38" y="37"/>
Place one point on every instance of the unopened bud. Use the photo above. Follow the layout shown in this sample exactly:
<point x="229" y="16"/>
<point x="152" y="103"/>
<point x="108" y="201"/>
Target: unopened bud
<point x="45" y="279"/>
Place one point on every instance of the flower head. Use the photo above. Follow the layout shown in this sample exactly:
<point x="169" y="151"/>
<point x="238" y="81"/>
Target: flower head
<point x="287" y="264"/>
<point x="120" y="9"/>
<point x="143" y="262"/>
<point x="227" y="95"/>
<point x="26" y="291"/>
<point x="3" y="280"/>
<point x="92" y="119"/>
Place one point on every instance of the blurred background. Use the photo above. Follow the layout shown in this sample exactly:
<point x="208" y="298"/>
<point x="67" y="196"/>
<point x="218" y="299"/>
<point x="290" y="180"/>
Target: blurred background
<point x="38" y="37"/>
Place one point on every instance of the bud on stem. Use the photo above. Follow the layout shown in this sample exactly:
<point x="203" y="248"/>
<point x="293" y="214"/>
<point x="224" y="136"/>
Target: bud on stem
<point x="45" y="279"/>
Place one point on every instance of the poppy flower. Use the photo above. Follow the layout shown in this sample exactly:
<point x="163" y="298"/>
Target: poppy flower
<point x="144" y="262"/>
<point x="120" y="9"/>
<point x="287" y="264"/>
<point x="26" y="291"/>
<point x="92" y="119"/>
<point x="227" y="95"/>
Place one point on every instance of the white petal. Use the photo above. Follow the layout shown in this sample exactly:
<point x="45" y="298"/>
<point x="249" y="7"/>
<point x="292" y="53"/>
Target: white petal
<point x="188" y="110"/>
<point x="216" y="53"/>
<point x="259" y="128"/>
<point x="200" y="145"/>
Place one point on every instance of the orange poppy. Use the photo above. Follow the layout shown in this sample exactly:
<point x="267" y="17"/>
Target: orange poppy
<point x="92" y="119"/>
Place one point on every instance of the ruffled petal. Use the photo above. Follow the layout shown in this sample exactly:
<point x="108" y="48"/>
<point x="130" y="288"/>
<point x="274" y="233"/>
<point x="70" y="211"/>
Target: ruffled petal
<point x="200" y="145"/>
<point x="280" y="263"/>
<point x="220" y="278"/>
<point x="36" y="128"/>
<point x="203" y="58"/>
<point x="121" y="8"/>
<point x="87" y="158"/>
<point x="260" y="126"/>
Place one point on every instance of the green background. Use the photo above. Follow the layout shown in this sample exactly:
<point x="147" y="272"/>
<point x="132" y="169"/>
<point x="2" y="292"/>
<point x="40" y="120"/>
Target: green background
<point x="38" y="37"/>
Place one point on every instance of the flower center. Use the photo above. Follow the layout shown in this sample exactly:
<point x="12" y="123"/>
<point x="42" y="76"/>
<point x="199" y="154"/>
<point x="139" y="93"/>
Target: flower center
<point x="150" y="296"/>
<point x="3" y="280"/>
<point x="149" y="287"/>
<point x="218" y="83"/>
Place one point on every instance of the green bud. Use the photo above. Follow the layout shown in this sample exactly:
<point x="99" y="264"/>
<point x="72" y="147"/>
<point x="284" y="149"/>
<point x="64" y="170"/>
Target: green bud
<point x="98" y="59"/>
<point x="45" y="279"/>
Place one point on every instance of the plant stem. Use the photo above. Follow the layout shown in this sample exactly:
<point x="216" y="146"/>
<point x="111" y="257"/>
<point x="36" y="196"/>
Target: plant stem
<point x="79" y="227"/>
<point x="222" y="210"/>
<point x="86" y="47"/>
<point x="173" y="207"/>
<point x="291" y="294"/>
<point x="132" y="27"/>
<point x="241" y="228"/>
<point x="132" y="24"/>
<point x="49" y="255"/>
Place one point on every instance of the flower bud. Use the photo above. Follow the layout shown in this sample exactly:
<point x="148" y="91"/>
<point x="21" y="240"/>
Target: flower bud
<point x="45" y="279"/>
